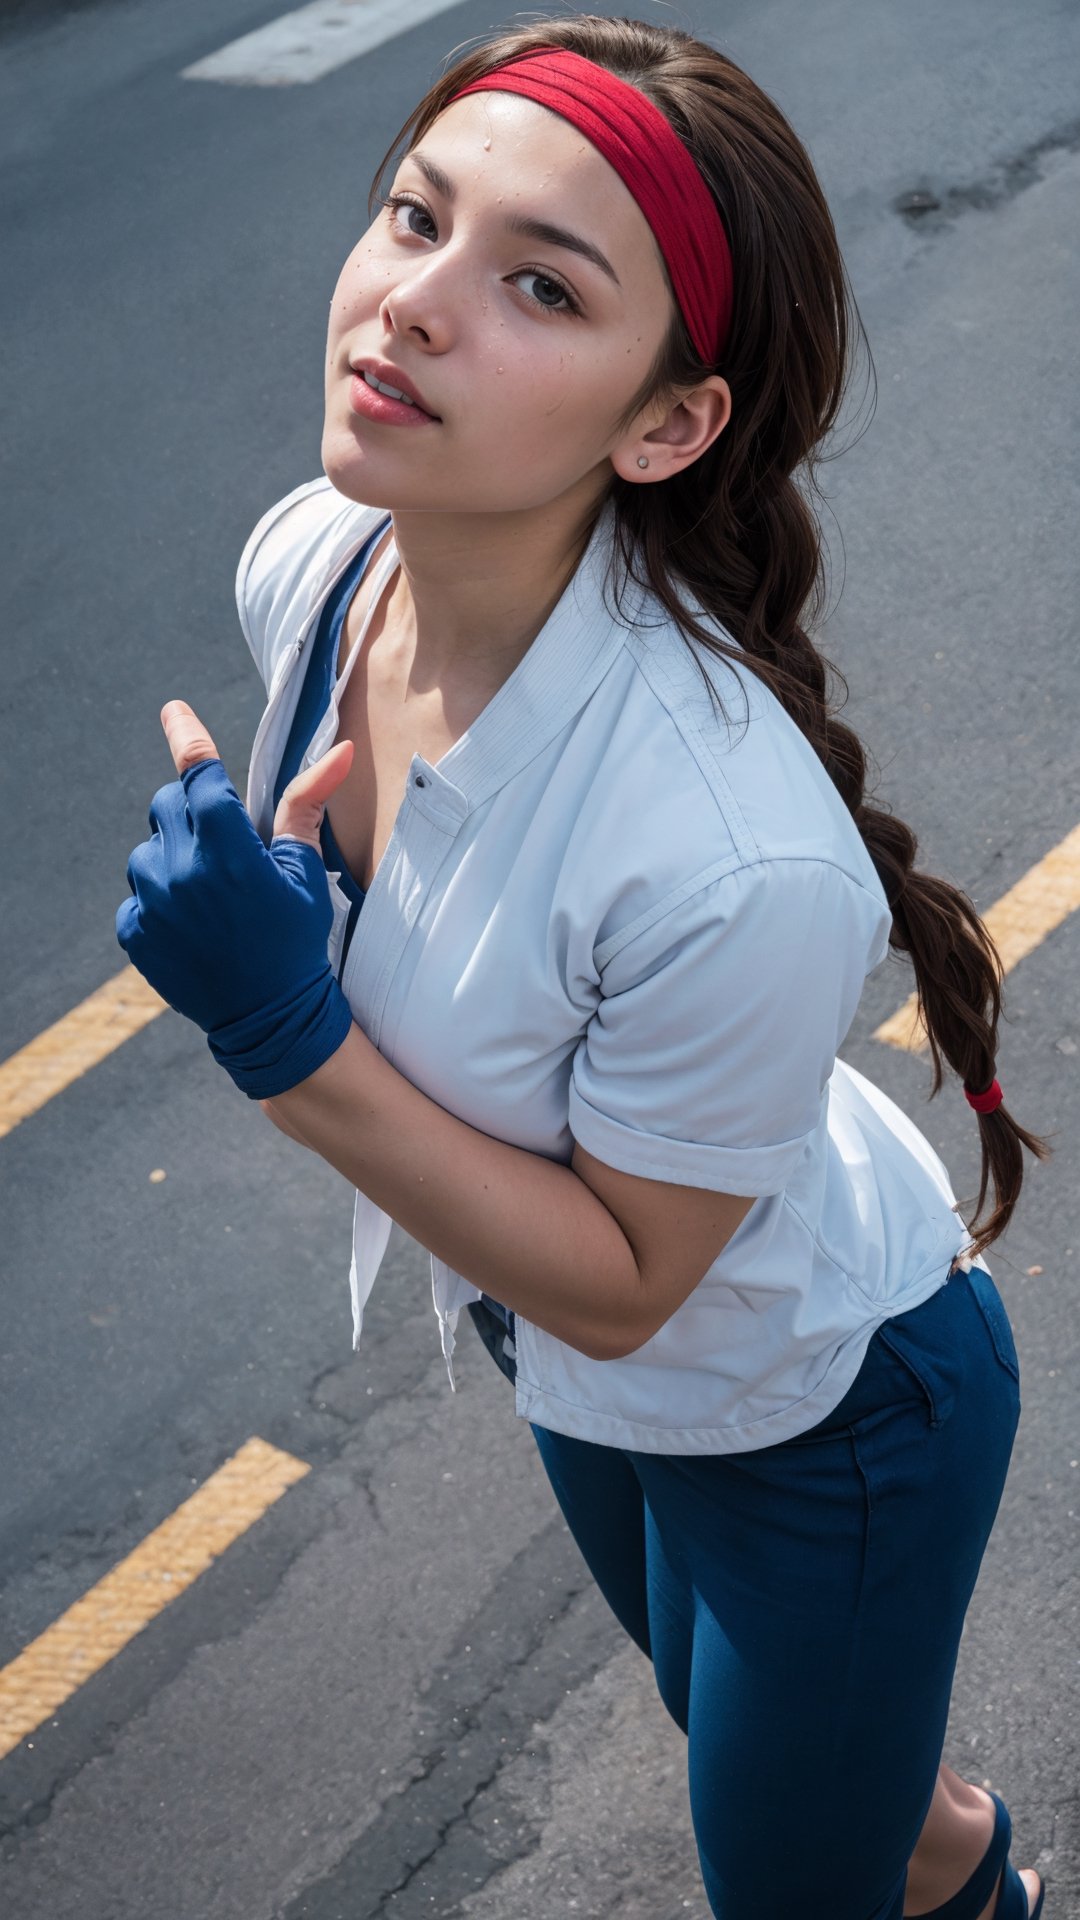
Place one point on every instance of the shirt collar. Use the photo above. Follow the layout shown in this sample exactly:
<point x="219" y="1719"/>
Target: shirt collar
<point x="576" y="646"/>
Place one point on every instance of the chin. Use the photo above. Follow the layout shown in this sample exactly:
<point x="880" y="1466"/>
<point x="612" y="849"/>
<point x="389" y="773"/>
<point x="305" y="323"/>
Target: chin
<point x="356" y="473"/>
<point x="351" y="474"/>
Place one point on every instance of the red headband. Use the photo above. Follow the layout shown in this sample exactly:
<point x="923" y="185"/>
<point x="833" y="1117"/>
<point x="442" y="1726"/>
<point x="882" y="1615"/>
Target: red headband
<point x="646" y="152"/>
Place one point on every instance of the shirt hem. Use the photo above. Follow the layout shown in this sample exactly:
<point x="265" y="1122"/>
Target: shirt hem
<point x="544" y="1408"/>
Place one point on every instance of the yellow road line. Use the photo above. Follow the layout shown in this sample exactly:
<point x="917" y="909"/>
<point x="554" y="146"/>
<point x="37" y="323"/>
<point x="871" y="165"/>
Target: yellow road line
<point x="1018" y="922"/>
<point x="90" y="1633"/>
<point x="1046" y="895"/>
<point x="65" y="1051"/>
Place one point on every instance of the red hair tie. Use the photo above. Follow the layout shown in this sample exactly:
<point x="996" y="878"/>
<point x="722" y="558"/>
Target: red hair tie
<point x="647" y="154"/>
<point x="984" y="1102"/>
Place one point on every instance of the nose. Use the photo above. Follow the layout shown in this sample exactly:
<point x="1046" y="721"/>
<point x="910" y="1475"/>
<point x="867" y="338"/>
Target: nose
<point x="422" y="303"/>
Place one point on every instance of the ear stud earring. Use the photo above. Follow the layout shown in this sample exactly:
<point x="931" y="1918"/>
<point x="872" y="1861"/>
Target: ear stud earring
<point x="641" y="460"/>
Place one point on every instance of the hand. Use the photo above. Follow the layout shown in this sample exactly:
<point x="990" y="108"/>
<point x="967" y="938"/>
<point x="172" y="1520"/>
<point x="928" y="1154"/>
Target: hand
<point x="231" y="933"/>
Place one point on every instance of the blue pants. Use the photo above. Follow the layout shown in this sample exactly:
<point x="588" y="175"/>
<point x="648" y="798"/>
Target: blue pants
<point x="802" y="1605"/>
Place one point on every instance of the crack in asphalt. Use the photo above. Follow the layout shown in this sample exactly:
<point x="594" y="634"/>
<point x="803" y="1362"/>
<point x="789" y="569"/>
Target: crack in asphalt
<point x="443" y="1834"/>
<point x="336" y="1371"/>
<point x="80" y="1547"/>
<point x="35" y="1815"/>
<point x="91" y="1548"/>
<point x="17" y="1825"/>
<point x="519" y="1637"/>
<point x="931" y="208"/>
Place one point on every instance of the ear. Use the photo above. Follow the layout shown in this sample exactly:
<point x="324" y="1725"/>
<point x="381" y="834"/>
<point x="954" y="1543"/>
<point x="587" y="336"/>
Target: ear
<point x="676" y="438"/>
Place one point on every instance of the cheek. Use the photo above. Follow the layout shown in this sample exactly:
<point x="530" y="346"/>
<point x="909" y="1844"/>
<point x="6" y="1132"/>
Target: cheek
<point x="357" y="282"/>
<point x="566" y="395"/>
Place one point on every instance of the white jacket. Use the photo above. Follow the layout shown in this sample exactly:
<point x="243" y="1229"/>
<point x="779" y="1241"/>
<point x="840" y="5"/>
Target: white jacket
<point x="606" y="915"/>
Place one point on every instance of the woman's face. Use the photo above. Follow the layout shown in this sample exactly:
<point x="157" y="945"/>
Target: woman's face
<point x="526" y="350"/>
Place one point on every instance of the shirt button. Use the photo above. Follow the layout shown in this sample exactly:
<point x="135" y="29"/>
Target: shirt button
<point x="420" y="781"/>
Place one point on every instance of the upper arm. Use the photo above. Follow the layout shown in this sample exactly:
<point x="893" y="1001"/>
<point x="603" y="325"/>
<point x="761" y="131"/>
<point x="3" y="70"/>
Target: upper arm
<point x="701" y="1075"/>
<point x="675" y="1233"/>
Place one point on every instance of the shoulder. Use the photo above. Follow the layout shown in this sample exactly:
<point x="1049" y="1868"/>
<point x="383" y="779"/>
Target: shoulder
<point x="290" y="559"/>
<point x="693" y="790"/>
<point x="768" y="920"/>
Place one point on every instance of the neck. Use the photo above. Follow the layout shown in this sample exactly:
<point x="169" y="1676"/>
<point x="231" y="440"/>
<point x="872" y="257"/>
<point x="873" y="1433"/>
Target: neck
<point x="475" y="589"/>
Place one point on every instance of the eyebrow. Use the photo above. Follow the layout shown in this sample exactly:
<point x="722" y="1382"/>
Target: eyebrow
<point x="541" y="230"/>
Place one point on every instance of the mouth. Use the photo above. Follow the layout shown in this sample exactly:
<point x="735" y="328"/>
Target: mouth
<point x="379" y="378"/>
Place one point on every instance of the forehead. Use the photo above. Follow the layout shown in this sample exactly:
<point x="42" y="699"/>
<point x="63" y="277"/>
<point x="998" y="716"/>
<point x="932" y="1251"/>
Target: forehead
<point x="540" y="163"/>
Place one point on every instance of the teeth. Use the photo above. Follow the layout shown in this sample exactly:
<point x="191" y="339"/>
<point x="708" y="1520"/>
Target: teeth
<point x="392" y="391"/>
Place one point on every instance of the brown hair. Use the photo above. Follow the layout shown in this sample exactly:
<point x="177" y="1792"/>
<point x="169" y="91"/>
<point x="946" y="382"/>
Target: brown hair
<point x="736" y="528"/>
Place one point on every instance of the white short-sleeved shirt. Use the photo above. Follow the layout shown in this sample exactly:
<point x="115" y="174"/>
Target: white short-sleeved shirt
<point x="610" y="915"/>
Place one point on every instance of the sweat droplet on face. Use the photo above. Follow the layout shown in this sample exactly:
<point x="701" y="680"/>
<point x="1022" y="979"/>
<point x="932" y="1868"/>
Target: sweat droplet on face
<point x="487" y="144"/>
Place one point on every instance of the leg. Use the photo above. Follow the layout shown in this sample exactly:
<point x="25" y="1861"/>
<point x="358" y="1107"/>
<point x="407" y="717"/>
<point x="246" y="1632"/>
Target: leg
<point x="829" y="1579"/>
<point x="604" y="1507"/>
<point x="604" y="1510"/>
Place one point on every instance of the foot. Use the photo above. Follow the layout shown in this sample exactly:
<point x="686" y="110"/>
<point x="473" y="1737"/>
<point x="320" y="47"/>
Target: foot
<point x="1032" y="1887"/>
<point x="931" y="1896"/>
<point x="1031" y="1883"/>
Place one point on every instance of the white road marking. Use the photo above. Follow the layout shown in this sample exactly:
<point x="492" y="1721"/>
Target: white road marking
<point x="314" y="40"/>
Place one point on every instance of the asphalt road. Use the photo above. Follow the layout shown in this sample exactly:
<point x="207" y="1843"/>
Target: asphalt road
<point x="399" y="1693"/>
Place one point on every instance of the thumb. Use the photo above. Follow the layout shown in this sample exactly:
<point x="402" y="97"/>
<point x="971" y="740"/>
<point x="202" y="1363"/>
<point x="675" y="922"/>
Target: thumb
<point x="300" y="809"/>
<point x="188" y="739"/>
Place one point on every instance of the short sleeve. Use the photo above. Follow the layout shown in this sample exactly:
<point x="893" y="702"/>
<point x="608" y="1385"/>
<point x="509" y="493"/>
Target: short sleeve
<point x="259" y="568"/>
<point x="706" y="1060"/>
<point x="305" y="539"/>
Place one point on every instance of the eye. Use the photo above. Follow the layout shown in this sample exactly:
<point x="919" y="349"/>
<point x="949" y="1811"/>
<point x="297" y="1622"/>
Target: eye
<point x="545" y="280"/>
<point x="550" y="294"/>
<point x="399" y="200"/>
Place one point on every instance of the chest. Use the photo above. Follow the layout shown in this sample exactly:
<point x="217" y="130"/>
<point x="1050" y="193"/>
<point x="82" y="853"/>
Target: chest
<point x="387" y="735"/>
<point x="391" y="720"/>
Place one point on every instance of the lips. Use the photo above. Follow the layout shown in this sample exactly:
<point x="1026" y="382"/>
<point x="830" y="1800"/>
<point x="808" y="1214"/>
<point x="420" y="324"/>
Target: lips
<point x="392" y="377"/>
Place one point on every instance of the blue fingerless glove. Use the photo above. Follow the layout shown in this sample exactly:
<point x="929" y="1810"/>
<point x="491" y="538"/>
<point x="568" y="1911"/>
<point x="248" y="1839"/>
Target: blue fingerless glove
<point x="234" y="934"/>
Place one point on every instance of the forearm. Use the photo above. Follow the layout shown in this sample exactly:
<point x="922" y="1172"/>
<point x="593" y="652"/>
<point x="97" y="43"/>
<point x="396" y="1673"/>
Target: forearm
<point x="524" y="1229"/>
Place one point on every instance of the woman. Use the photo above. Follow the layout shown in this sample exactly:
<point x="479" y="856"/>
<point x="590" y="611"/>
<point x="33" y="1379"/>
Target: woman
<point x="603" y="891"/>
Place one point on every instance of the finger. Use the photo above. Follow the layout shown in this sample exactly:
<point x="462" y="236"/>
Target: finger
<point x="127" y="923"/>
<point x="301" y="807"/>
<point x="217" y="817"/>
<point x="187" y="737"/>
<point x="168" y="814"/>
